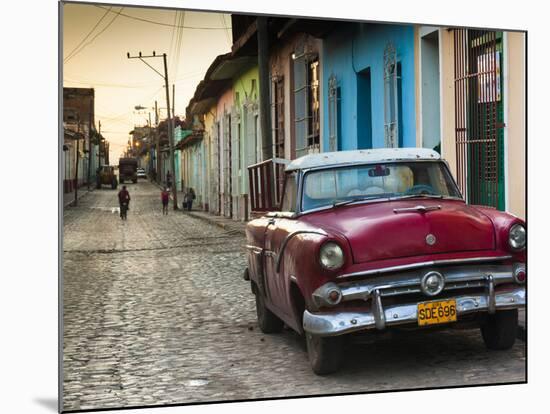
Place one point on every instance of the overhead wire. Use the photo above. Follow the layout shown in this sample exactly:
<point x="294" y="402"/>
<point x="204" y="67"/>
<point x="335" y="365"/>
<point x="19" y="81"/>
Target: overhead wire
<point x="88" y="35"/>
<point x="95" y="37"/>
<point x="172" y="37"/>
<point x="222" y="17"/>
<point x="135" y="85"/>
<point x="165" y="24"/>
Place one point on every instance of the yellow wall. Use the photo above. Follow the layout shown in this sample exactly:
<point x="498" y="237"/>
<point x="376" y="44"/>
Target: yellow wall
<point x="515" y="124"/>
<point x="448" y="138"/>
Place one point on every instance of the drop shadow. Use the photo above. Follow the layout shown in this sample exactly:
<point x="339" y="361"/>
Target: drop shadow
<point x="50" y="403"/>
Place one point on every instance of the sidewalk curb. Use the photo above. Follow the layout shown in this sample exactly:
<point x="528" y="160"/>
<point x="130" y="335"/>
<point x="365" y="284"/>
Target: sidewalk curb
<point x="218" y="223"/>
<point x="83" y="192"/>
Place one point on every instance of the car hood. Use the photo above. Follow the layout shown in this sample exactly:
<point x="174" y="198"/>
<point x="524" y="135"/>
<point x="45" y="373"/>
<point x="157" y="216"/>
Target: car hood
<point x="382" y="230"/>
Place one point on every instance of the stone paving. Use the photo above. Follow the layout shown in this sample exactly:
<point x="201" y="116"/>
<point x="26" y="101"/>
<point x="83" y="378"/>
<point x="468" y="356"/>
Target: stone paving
<point x="156" y="312"/>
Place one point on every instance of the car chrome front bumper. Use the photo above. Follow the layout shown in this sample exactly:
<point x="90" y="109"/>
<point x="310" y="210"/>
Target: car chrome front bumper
<point x="339" y="323"/>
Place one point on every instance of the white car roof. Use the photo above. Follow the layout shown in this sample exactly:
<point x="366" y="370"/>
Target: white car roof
<point x="361" y="156"/>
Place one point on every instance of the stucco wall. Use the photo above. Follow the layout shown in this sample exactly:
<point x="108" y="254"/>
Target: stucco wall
<point x="348" y="52"/>
<point x="247" y="87"/>
<point x="447" y="98"/>
<point x="515" y="123"/>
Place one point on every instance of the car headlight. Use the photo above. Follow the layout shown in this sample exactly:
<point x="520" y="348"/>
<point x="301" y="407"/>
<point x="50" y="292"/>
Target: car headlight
<point x="517" y="237"/>
<point x="331" y="256"/>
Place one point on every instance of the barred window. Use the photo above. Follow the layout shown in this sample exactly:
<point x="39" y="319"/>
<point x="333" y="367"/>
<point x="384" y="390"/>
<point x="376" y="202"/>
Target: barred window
<point x="278" y="115"/>
<point x="333" y="113"/>
<point x="391" y="97"/>
<point x="306" y="101"/>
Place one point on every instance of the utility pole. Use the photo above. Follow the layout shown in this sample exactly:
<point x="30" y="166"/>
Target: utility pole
<point x="99" y="146"/>
<point x="90" y="144"/>
<point x="157" y="142"/>
<point x="263" y="69"/>
<point x="169" y="119"/>
<point x="149" y="141"/>
<point x="77" y="160"/>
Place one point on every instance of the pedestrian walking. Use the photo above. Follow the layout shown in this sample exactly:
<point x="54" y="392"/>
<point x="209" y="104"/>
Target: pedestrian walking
<point x="188" y="199"/>
<point x="123" y="201"/>
<point x="165" y="198"/>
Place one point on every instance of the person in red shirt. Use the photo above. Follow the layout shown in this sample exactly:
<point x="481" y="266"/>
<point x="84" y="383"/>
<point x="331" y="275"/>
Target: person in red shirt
<point x="123" y="197"/>
<point x="165" y="197"/>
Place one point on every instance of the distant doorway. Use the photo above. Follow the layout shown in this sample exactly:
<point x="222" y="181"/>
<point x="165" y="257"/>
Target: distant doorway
<point x="364" y="110"/>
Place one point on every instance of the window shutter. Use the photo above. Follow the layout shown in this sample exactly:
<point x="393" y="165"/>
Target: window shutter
<point x="300" y="100"/>
<point x="215" y="163"/>
<point x="235" y="157"/>
<point x="391" y="105"/>
<point x="333" y="113"/>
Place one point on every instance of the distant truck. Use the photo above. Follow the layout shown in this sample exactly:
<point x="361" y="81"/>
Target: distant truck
<point x="127" y="169"/>
<point x="106" y="176"/>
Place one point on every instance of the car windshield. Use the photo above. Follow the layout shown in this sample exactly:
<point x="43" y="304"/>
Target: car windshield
<point x="344" y="185"/>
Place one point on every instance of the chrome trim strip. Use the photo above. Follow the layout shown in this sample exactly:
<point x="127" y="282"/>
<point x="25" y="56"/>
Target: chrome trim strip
<point x="339" y="323"/>
<point x="418" y="209"/>
<point x="378" y="312"/>
<point x="423" y="264"/>
<point x="255" y="249"/>
<point x="455" y="278"/>
<point x="491" y="301"/>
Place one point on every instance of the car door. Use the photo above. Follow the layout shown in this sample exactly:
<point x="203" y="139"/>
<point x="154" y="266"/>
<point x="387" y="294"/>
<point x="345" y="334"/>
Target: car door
<point x="279" y="226"/>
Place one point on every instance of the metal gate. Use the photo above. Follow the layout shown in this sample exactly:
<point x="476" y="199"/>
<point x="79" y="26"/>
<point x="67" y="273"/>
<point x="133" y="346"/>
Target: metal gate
<point x="479" y="116"/>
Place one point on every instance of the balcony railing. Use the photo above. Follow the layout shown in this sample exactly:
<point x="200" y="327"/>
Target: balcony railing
<point x="266" y="184"/>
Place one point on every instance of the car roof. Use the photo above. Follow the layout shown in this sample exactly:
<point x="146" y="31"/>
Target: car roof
<point x="361" y="157"/>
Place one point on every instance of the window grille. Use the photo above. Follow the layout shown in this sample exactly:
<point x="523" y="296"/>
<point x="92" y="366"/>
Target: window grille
<point x="235" y="158"/>
<point x="391" y="100"/>
<point x="333" y="114"/>
<point x="300" y="99"/>
<point x="278" y="115"/>
<point x="227" y="205"/>
<point x="479" y="116"/>
<point x="215" y="174"/>
<point x="314" y="125"/>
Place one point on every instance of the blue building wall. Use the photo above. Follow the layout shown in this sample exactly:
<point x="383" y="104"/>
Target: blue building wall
<point x="353" y="55"/>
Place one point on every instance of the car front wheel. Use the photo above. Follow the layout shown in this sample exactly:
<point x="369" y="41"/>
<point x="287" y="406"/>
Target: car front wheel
<point x="324" y="353"/>
<point x="267" y="320"/>
<point x="499" y="330"/>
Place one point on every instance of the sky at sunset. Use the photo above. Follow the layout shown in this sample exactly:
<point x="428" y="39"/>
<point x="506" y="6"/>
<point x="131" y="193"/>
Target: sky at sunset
<point x="96" y="39"/>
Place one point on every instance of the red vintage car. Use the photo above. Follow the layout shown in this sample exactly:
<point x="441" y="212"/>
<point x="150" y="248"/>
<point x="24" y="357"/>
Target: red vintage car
<point x="382" y="239"/>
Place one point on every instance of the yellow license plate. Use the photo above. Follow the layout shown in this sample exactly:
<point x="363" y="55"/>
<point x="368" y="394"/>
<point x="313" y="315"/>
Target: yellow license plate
<point x="431" y="313"/>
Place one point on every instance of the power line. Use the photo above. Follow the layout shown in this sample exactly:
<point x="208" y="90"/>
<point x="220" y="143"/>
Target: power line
<point x="171" y="49"/>
<point x="166" y="24"/>
<point x="88" y="35"/>
<point x="225" y="27"/>
<point x="95" y="37"/>
<point x="137" y="85"/>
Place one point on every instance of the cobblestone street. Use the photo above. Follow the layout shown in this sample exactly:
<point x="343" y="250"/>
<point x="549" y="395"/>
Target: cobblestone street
<point x="156" y="312"/>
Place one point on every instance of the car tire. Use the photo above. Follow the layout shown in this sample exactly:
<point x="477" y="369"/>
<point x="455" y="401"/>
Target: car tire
<point x="267" y="320"/>
<point x="134" y="181"/>
<point x="499" y="330"/>
<point x="324" y="353"/>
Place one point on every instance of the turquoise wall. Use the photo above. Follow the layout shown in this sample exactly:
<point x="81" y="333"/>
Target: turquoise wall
<point x="349" y="54"/>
